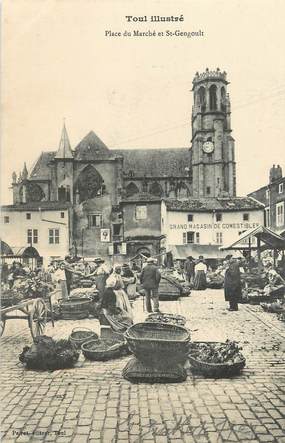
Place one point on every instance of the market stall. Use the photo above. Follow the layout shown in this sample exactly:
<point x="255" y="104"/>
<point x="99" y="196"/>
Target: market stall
<point x="255" y="279"/>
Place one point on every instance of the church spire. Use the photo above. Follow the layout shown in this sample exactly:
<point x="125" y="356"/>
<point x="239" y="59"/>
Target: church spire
<point x="25" y="172"/>
<point x="64" y="150"/>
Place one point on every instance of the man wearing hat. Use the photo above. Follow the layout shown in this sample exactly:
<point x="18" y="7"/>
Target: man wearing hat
<point x="189" y="269"/>
<point x="150" y="278"/>
<point x="101" y="274"/>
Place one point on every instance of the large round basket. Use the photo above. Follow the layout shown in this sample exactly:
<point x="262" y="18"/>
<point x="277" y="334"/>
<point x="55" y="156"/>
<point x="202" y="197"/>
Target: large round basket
<point x="75" y="308"/>
<point x="158" y="344"/>
<point x="74" y="304"/>
<point x="216" y="370"/>
<point x="174" y="319"/>
<point x="101" y="350"/>
<point x="81" y="335"/>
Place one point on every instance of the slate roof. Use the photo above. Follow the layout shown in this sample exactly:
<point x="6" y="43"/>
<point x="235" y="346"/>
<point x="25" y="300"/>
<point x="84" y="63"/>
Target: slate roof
<point x="210" y="204"/>
<point x="41" y="170"/>
<point x="91" y="147"/>
<point x="149" y="162"/>
<point x="155" y="162"/>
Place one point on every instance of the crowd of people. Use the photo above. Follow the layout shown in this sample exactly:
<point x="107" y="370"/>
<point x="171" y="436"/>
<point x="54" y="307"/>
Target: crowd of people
<point x="118" y="284"/>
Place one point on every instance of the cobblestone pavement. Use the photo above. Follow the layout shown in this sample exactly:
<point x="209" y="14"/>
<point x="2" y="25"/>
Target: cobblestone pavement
<point x="93" y="403"/>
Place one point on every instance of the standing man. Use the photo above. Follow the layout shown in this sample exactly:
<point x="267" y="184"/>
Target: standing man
<point x="150" y="278"/>
<point x="189" y="267"/>
<point x="68" y="273"/>
<point x="232" y="285"/>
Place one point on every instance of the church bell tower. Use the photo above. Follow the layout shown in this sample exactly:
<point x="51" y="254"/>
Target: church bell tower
<point x="213" y="152"/>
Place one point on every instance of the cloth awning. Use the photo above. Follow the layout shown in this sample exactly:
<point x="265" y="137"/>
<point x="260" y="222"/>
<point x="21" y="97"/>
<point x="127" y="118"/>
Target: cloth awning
<point x="22" y="252"/>
<point x="5" y="248"/>
<point x="181" y="252"/>
<point x="269" y="240"/>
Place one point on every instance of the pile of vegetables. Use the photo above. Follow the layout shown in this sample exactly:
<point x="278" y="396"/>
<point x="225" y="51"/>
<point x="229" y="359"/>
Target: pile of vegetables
<point x="225" y="353"/>
<point x="178" y="320"/>
<point x="32" y="287"/>
<point x="48" y="354"/>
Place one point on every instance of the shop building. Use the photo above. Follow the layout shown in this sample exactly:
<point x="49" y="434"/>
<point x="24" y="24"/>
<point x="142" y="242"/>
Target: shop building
<point x="197" y="223"/>
<point x="272" y="196"/>
<point x="46" y="228"/>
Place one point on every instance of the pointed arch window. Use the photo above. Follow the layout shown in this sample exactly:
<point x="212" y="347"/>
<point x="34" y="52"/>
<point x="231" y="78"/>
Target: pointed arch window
<point x="223" y="99"/>
<point x="202" y="98"/>
<point x="213" y="98"/>
<point x="131" y="189"/>
<point x="156" y="189"/>
<point x="89" y="183"/>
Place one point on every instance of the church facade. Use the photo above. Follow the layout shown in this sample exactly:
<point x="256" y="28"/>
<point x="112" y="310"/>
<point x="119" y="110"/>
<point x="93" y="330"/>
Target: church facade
<point x="117" y="198"/>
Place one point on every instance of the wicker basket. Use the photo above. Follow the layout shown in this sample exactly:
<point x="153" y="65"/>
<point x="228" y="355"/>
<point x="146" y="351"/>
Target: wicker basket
<point x="81" y="335"/>
<point x="158" y="344"/>
<point x="216" y="370"/>
<point x="136" y="372"/>
<point x="113" y="349"/>
<point x="174" y="319"/>
<point x="74" y="304"/>
<point x="78" y="315"/>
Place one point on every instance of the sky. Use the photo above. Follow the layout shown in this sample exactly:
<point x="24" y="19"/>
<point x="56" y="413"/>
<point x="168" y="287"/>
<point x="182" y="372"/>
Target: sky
<point x="135" y="92"/>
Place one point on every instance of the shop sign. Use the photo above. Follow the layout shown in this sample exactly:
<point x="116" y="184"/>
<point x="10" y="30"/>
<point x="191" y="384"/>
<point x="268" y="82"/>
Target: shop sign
<point x="210" y="226"/>
<point x="105" y="235"/>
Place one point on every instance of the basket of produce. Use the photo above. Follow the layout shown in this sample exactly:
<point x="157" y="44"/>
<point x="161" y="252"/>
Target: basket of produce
<point x="103" y="349"/>
<point x="80" y="335"/>
<point x="89" y="293"/>
<point x="214" y="359"/>
<point x="275" y="307"/>
<point x="48" y="354"/>
<point x="174" y="319"/>
<point x="158" y="343"/>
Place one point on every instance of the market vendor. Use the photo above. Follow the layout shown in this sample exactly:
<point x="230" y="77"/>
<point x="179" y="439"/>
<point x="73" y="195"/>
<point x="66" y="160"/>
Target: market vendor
<point x="60" y="277"/>
<point x="200" y="282"/>
<point x="115" y="303"/>
<point x="101" y="274"/>
<point x="274" y="278"/>
<point x="129" y="280"/>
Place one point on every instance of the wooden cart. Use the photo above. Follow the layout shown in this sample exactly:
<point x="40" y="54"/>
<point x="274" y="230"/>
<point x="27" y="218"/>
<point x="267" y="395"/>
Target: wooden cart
<point x="34" y="310"/>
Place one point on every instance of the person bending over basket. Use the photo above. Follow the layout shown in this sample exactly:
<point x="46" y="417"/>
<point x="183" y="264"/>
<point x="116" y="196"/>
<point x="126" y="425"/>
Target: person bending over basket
<point x="115" y="303"/>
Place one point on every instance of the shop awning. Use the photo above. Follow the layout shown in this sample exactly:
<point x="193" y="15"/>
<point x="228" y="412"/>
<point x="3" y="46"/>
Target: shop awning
<point x="269" y="240"/>
<point x="5" y="248"/>
<point x="181" y="252"/>
<point x="21" y="252"/>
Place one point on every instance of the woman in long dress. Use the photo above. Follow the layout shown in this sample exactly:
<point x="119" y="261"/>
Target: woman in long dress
<point x="200" y="282"/>
<point x="116" y="306"/>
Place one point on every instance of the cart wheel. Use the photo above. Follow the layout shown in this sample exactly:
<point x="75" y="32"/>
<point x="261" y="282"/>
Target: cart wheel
<point x="38" y="318"/>
<point x="2" y="325"/>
